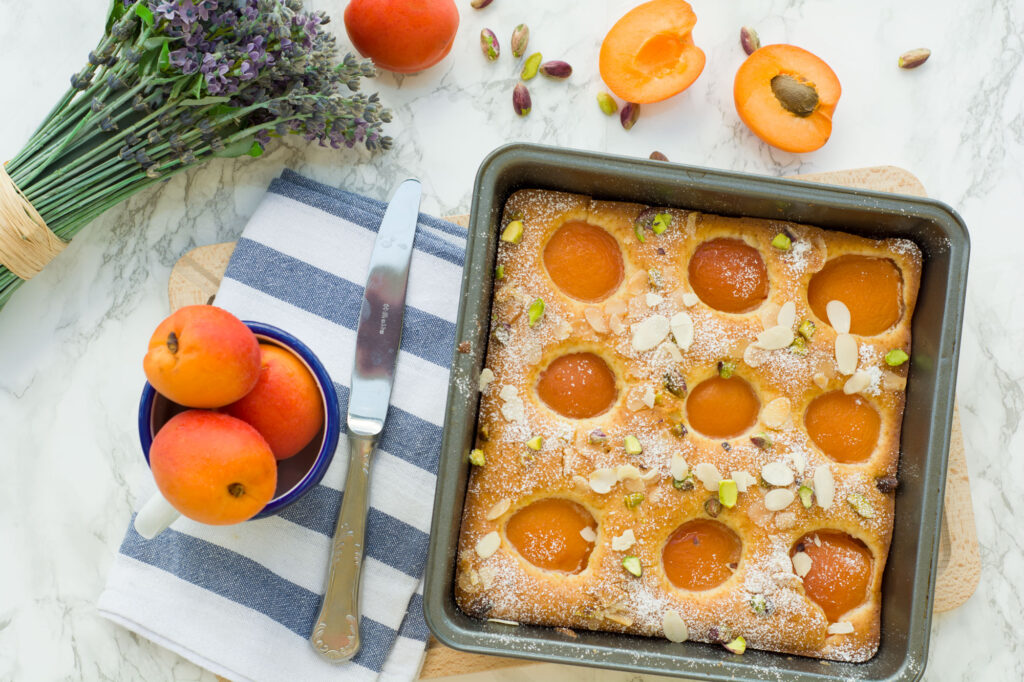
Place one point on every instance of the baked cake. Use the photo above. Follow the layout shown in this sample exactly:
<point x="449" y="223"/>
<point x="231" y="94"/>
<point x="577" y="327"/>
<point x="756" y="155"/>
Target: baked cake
<point x="689" y="427"/>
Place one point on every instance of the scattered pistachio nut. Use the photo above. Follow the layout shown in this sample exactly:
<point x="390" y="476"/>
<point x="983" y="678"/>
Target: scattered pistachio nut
<point x="607" y="103"/>
<point x="799" y="346"/>
<point x="520" y="38"/>
<point x="726" y="368"/>
<point x="499" y="272"/>
<point x="489" y="44"/>
<point x="657" y="156"/>
<point x="737" y="645"/>
<point x="806" y="496"/>
<point x="598" y="437"/>
<point x="759" y="604"/>
<point x="556" y="69"/>
<point x="632" y="564"/>
<point x="513" y="232"/>
<point x="628" y="116"/>
<point x="521" y="101"/>
<point x="535" y="443"/>
<point x="679" y="429"/>
<point x="749" y="40"/>
<point x="713" y="507"/>
<point x="674" y="382"/>
<point x="782" y="242"/>
<point x="476" y="457"/>
<point x="536" y="311"/>
<point x="861" y="505"/>
<point x="896" y="357"/>
<point x="661" y="222"/>
<point x="887" y="484"/>
<point x="632" y="445"/>
<point x="479" y="4"/>
<point x="531" y="66"/>
<point x="912" y="59"/>
<point x="633" y="500"/>
<point x="728" y="493"/>
<point x="655" y="278"/>
<point x="684" y="483"/>
<point x="806" y="329"/>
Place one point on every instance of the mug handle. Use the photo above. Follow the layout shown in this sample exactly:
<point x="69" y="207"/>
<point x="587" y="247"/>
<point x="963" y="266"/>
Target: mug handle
<point x="155" y="516"/>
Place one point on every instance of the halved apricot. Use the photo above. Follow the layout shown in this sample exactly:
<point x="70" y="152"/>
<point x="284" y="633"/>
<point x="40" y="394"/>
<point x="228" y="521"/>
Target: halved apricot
<point x="649" y="55"/>
<point x="840" y="571"/>
<point x="787" y="96"/>
<point x="584" y="261"/>
<point x="722" y="408"/>
<point x="871" y="288"/>
<point x="845" y="427"/>
<point x="577" y="385"/>
<point x="547" y="533"/>
<point x="701" y="554"/>
<point x="729" y="275"/>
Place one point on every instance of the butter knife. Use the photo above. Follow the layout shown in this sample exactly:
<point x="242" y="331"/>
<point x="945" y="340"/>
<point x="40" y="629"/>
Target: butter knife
<point x="379" y="334"/>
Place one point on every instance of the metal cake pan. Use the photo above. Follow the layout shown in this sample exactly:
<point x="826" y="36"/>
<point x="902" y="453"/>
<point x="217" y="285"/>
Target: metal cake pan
<point x="909" y="579"/>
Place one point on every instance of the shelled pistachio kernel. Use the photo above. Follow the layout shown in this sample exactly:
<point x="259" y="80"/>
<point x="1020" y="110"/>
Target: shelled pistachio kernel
<point x="799" y="346"/>
<point x="674" y="382"/>
<point x="759" y="604"/>
<point x="531" y="66"/>
<point x="489" y="44"/>
<point x="726" y="368"/>
<point x="520" y="38"/>
<point x="536" y="311"/>
<point x="513" y="232"/>
<point x="712" y="507"/>
<point x="598" y="437"/>
<point x="632" y="564"/>
<point x="861" y="505"/>
<point x="782" y="242"/>
<point x="737" y="645"/>
<point x="762" y="441"/>
<point x="728" y="493"/>
<point x="499" y="272"/>
<point x="685" y="483"/>
<point x="632" y="445"/>
<point x="896" y="357"/>
<point x="679" y="429"/>
<point x="806" y="329"/>
<point x="655" y="278"/>
<point x="806" y="496"/>
<point x="662" y="221"/>
<point x="607" y="103"/>
<point x="633" y="500"/>
<point x="535" y="443"/>
<point x="476" y="457"/>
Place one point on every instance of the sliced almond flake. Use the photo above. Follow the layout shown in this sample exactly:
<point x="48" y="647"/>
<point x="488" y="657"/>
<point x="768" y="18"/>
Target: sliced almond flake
<point x="893" y="382"/>
<point x="778" y="499"/>
<point x="816" y="540"/>
<point x="670" y="350"/>
<point x="635" y="400"/>
<point x="623" y="542"/>
<point x="602" y="480"/>
<point x="777" y="474"/>
<point x="615" y="307"/>
<point x="649" y="397"/>
<point x="653" y="300"/>
<point x="690" y="299"/>
<point x="775" y="338"/>
<point x="650" y="476"/>
<point x="838" y="316"/>
<point x="820" y="380"/>
<point x="860" y="381"/>
<point x="678" y="467"/>
<point x="674" y="627"/>
<point x="563" y="330"/>
<point x="580" y="484"/>
<point x="799" y="460"/>
<point x="634" y="485"/>
<point x="502" y="621"/>
<point x="776" y="413"/>
<point x="682" y="329"/>
<point x="508" y="391"/>
<point x="754" y="356"/>
<point x="624" y="621"/>
<point x="841" y="628"/>
<point x="785" y="520"/>
<point x="487" y="575"/>
<point x="650" y="332"/>
<point x="709" y="475"/>
<point x="486" y="377"/>
<point x="824" y="486"/>
<point x="801" y="563"/>
<point x="488" y="544"/>
<point x="846" y="354"/>
<point x="616" y="324"/>
<point x="787" y="314"/>
<point x="596" y="319"/>
<point x="637" y="283"/>
<point x="626" y="471"/>
<point x="743" y="480"/>
<point x="588" y="534"/>
<point x="769" y="314"/>
<point x="513" y="409"/>
<point x="498" y="509"/>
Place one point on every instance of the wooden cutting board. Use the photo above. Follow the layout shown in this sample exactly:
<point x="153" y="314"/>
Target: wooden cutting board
<point x="196" y="277"/>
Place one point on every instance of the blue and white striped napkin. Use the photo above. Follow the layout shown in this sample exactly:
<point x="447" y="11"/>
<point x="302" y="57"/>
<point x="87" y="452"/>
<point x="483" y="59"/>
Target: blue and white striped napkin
<point x="241" y="600"/>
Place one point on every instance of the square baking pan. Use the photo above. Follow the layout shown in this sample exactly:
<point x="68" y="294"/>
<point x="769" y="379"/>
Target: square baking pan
<point x="909" y="580"/>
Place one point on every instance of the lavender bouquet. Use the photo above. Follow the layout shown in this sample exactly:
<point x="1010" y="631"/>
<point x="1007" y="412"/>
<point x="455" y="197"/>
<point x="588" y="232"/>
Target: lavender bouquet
<point x="171" y="84"/>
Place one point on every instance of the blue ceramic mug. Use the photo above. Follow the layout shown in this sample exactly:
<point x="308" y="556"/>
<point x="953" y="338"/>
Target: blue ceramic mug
<point x="295" y="475"/>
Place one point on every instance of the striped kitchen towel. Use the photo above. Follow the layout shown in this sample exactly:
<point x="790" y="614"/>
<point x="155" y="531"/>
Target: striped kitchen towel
<point x="241" y="600"/>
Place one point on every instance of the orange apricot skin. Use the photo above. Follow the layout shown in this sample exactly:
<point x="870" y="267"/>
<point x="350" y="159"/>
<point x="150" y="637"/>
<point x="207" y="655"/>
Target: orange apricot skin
<point x="577" y="385"/>
<point x="402" y="36"/>
<point x="638" y="59"/>
<point x="212" y="467"/>
<point x="698" y="553"/>
<point x="871" y="288"/>
<point x="722" y="408"/>
<point x="760" y="110"/>
<point x="728" y="275"/>
<point x="212" y="360"/>
<point x="285" y="406"/>
<point x="845" y="427"/>
<point x="547" y="534"/>
<point x="584" y="260"/>
<point x="840" y="572"/>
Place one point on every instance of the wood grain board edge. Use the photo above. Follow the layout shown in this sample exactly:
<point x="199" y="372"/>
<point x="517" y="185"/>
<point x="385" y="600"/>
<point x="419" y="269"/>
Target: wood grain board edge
<point x="196" y="277"/>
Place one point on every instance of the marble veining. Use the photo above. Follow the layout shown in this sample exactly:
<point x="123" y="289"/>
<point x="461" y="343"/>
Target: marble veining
<point x="72" y="339"/>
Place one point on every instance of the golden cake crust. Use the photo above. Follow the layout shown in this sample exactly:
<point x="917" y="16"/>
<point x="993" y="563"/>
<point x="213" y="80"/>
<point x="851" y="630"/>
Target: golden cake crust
<point x="501" y="584"/>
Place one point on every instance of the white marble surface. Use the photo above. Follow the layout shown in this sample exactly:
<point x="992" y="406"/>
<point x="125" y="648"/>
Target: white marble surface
<point x="71" y="341"/>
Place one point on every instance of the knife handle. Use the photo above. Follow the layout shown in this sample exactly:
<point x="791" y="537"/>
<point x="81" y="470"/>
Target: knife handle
<point x="336" y="631"/>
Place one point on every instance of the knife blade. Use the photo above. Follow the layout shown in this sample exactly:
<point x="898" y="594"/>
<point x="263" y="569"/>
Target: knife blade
<point x="335" y="633"/>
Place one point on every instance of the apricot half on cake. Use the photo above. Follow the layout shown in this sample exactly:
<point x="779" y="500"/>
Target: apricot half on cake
<point x="577" y="385"/>
<point x="839" y="571"/>
<point x="722" y="408"/>
<point x="554" y="534"/>
<point x="871" y="288"/>
<point x="845" y="427"/>
<point x="701" y="554"/>
<point x="729" y="275"/>
<point x="649" y="55"/>
<point x="584" y="260"/>
<point x="787" y="96"/>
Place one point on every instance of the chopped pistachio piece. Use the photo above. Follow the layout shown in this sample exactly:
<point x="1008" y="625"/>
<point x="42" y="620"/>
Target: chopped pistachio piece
<point x="782" y="241"/>
<point x="675" y="383"/>
<point x="806" y="496"/>
<point x="806" y="329"/>
<point x="484" y="432"/>
<point x="737" y="645"/>
<point x="758" y="603"/>
<point x="499" y="272"/>
<point x="633" y="500"/>
<point x="661" y="222"/>
<point x="638" y="230"/>
<point x="861" y="505"/>
<point x="799" y="346"/>
<point x="632" y="564"/>
<point x="632" y="444"/>
<point x="598" y="437"/>
<point x="685" y="483"/>
<point x="536" y="311"/>
<point x="476" y="457"/>
<point x="713" y="507"/>
<point x="655" y="279"/>
<point x="535" y="443"/>
<point x="896" y="357"/>
<point x="762" y="441"/>
<point x="679" y="430"/>
<point x="728" y="493"/>
<point x="726" y="368"/>
<point x="513" y="232"/>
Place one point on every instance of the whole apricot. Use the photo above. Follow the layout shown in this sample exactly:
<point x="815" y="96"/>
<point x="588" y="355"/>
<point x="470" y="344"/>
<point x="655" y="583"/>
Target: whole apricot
<point x="285" y="406"/>
<point x="202" y="356"/>
<point x="212" y="467"/>
<point x="404" y="36"/>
